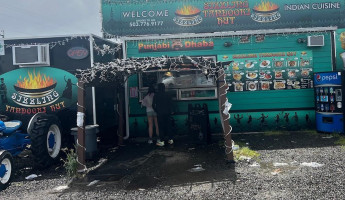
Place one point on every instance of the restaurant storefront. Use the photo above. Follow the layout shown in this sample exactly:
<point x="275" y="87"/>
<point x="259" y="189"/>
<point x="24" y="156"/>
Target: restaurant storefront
<point x="275" y="46"/>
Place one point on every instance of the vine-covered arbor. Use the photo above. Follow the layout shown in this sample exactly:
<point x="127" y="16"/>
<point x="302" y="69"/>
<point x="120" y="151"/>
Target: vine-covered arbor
<point x="118" y="71"/>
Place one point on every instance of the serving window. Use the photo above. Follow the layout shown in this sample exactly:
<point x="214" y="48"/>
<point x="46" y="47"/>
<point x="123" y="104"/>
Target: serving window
<point x="185" y="79"/>
<point x="198" y="93"/>
<point x="185" y="82"/>
<point x="180" y="84"/>
<point x="172" y="92"/>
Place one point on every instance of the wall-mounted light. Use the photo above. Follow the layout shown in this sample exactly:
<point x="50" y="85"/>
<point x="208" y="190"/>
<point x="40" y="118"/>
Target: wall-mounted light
<point x="301" y="40"/>
<point x="227" y="44"/>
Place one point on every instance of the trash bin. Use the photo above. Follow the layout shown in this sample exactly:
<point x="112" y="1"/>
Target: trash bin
<point x="90" y="140"/>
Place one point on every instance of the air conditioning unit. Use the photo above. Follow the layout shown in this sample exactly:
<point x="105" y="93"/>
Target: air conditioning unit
<point x="316" y="41"/>
<point x="31" y="55"/>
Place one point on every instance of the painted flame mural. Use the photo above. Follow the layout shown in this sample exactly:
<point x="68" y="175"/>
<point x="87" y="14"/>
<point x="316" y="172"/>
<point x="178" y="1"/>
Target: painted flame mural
<point x="30" y="90"/>
<point x="187" y="10"/>
<point x="266" y="6"/>
<point x="35" y="81"/>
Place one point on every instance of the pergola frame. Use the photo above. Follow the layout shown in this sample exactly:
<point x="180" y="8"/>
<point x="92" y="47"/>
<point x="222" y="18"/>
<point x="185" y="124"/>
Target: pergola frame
<point x="120" y="69"/>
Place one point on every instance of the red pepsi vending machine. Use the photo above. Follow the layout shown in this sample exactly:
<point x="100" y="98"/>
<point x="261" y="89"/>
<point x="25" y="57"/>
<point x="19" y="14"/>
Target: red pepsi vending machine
<point x="329" y="101"/>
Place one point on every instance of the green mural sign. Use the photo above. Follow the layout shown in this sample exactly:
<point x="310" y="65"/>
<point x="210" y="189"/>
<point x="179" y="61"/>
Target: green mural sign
<point x="142" y="17"/>
<point x="30" y="90"/>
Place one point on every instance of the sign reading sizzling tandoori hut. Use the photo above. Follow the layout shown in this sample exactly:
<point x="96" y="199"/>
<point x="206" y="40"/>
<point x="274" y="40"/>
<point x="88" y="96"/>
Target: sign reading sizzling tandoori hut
<point x="142" y="17"/>
<point x="31" y="90"/>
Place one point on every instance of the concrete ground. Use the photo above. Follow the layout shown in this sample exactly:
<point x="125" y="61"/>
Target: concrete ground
<point x="139" y="165"/>
<point x="291" y="165"/>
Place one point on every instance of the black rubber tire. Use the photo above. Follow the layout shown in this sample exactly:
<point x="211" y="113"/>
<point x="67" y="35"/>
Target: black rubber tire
<point x="39" y="137"/>
<point x="6" y="155"/>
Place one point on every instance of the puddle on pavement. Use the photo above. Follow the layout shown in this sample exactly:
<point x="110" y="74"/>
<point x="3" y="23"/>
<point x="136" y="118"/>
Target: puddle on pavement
<point x="142" y="182"/>
<point x="269" y="167"/>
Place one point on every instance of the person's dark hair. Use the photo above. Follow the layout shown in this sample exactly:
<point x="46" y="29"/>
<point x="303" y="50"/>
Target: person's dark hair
<point x="151" y="90"/>
<point x="161" y="87"/>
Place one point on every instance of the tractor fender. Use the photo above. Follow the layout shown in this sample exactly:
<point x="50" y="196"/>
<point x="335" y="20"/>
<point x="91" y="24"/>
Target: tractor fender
<point x="33" y="120"/>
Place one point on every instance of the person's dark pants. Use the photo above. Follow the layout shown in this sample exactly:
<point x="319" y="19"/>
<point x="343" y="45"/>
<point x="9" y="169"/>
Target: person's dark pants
<point x="165" y="128"/>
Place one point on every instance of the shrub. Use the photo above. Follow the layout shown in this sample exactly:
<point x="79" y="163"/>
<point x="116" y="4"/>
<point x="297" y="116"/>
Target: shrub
<point x="245" y="152"/>
<point x="71" y="163"/>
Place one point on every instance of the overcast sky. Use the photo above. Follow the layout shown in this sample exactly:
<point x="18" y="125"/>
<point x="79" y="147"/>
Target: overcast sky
<point x="30" y="18"/>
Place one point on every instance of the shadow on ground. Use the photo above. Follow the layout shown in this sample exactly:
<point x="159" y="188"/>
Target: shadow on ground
<point x="139" y="165"/>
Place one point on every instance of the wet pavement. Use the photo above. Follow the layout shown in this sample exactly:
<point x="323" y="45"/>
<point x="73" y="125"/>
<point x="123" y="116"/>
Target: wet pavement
<point x="139" y="165"/>
<point x="291" y="165"/>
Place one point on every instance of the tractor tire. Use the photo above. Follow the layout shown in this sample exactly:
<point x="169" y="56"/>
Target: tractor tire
<point x="46" y="140"/>
<point x="6" y="166"/>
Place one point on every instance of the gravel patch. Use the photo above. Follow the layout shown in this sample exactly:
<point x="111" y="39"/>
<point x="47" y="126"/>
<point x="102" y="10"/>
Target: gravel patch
<point x="264" y="178"/>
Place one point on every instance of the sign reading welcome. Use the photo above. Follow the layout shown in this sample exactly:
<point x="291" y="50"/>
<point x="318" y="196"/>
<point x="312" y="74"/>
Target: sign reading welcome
<point x="201" y="16"/>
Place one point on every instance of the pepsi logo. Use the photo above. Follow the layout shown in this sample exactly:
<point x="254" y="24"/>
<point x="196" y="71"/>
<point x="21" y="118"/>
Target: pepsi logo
<point x="318" y="77"/>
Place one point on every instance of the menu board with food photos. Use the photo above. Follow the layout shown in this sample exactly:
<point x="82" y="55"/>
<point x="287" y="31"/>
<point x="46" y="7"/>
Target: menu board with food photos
<point x="269" y="71"/>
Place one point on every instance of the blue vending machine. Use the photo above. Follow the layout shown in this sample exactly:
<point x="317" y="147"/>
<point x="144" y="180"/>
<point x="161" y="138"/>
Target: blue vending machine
<point x="328" y="89"/>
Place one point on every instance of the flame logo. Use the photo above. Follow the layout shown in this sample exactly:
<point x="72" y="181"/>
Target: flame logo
<point x="266" y="6"/>
<point x="187" y="10"/>
<point x="35" y="81"/>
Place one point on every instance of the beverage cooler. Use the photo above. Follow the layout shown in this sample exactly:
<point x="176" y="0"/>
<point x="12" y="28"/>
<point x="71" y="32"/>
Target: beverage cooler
<point x="329" y="101"/>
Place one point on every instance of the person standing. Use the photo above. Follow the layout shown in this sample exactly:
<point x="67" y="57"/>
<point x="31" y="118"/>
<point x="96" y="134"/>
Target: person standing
<point x="151" y="114"/>
<point x="162" y="104"/>
<point x="3" y="91"/>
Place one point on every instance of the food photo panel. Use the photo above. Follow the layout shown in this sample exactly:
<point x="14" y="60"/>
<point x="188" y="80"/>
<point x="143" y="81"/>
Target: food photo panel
<point x="278" y="74"/>
<point x="292" y="73"/>
<point x="265" y="74"/>
<point x="250" y="64"/>
<point x="278" y="63"/>
<point x="238" y="86"/>
<point x="305" y="63"/>
<point x="271" y="70"/>
<point x="279" y="84"/>
<point x="235" y="65"/>
<point x="252" y="74"/>
<point x="306" y="72"/>
<point x="237" y="75"/>
<point x="265" y="85"/>
<point x="252" y="85"/>
<point x="265" y="63"/>
<point x="292" y="63"/>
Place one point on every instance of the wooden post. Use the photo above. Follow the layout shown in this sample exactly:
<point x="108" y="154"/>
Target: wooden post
<point x="121" y="101"/>
<point x="222" y="88"/>
<point x="81" y="129"/>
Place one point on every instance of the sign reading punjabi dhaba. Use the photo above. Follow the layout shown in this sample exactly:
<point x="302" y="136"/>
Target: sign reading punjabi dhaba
<point x="142" y="17"/>
<point x="175" y="45"/>
<point x="30" y="90"/>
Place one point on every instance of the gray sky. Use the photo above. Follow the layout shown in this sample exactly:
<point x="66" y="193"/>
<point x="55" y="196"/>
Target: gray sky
<point x="30" y="18"/>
